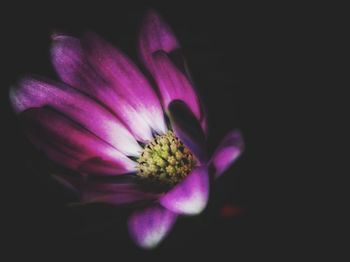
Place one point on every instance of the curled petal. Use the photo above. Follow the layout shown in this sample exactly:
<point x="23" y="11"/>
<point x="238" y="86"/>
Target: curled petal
<point x="70" y="145"/>
<point x="188" y="129"/>
<point x="227" y="152"/>
<point x="83" y="110"/>
<point x="174" y="85"/>
<point x="138" y="105"/>
<point x="150" y="225"/>
<point x="160" y="52"/>
<point x="191" y="195"/>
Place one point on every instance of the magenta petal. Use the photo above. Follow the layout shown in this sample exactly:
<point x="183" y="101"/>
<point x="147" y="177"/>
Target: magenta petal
<point x="97" y="191"/>
<point x="137" y="103"/>
<point x="31" y="93"/>
<point x="97" y="165"/>
<point x="227" y="152"/>
<point x="191" y="195"/>
<point x="174" y="85"/>
<point x="149" y="226"/>
<point x="112" y="193"/>
<point x="110" y="78"/>
<point x="157" y="39"/>
<point x="71" y="145"/>
<point x="155" y="35"/>
<point x="72" y="66"/>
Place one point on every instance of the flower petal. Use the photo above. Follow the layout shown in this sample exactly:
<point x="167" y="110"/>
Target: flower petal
<point x="150" y="225"/>
<point x="71" y="65"/>
<point x="155" y="35"/>
<point x="80" y="108"/>
<point x="111" y="193"/>
<point x="157" y="39"/>
<point x="98" y="166"/>
<point x="227" y="152"/>
<point x="70" y="145"/>
<point x="138" y="105"/>
<point x="174" y="85"/>
<point x="188" y="129"/>
<point x="191" y="195"/>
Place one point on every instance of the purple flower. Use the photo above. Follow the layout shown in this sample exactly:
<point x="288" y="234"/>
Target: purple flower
<point x="105" y="120"/>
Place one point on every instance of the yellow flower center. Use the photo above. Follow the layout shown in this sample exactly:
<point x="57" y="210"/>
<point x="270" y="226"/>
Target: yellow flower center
<point x="165" y="160"/>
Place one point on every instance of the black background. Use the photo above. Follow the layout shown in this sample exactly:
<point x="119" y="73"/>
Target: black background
<point x="249" y="63"/>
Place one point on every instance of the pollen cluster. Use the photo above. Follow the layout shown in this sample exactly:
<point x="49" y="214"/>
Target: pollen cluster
<point x="165" y="160"/>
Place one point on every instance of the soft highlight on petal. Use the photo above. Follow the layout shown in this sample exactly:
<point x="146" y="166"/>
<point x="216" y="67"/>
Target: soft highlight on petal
<point x="138" y="105"/>
<point x="33" y="93"/>
<point x="191" y="195"/>
<point x="110" y="77"/>
<point x="149" y="226"/>
<point x="227" y="152"/>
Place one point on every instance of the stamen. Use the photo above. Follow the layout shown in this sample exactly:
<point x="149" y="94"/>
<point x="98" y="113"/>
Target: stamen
<point x="165" y="160"/>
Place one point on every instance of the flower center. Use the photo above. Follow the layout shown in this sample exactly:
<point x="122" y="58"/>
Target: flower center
<point x="165" y="160"/>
